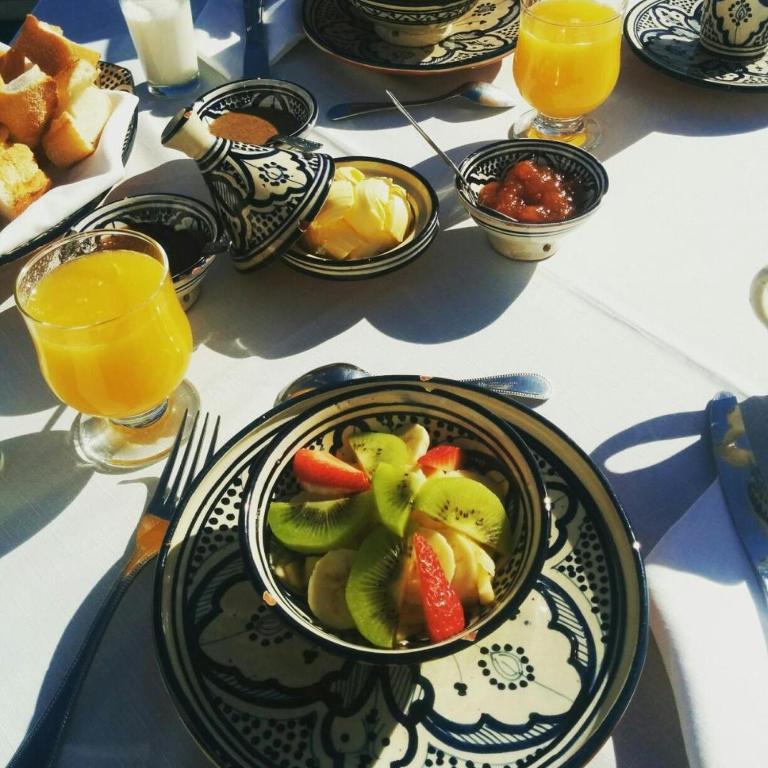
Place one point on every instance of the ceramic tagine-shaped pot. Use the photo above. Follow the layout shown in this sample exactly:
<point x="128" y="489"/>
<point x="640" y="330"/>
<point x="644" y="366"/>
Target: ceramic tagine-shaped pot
<point x="265" y="195"/>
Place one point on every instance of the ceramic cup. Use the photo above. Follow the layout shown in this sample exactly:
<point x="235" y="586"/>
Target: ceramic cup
<point x="737" y="28"/>
<point x="758" y="295"/>
<point x="412" y="23"/>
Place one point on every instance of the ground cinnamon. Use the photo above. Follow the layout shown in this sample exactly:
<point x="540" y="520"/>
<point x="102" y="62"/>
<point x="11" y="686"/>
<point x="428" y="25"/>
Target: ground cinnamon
<point x="239" y="126"/>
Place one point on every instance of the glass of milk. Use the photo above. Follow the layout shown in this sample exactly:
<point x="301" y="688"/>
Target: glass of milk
<point x="164" y="37"/>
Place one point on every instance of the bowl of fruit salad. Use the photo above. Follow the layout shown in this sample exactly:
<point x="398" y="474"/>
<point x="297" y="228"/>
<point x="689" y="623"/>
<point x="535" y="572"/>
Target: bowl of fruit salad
<point x="396" y="524"/>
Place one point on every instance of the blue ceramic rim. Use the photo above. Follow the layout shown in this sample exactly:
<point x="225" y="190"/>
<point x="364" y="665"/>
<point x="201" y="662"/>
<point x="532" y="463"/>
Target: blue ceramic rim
<point x="197" y="208"/>
<point x="199" y="729"/>
<point x="639" y="50"/>
<point x="539" y="512"/>
<point x="514" y="147"/>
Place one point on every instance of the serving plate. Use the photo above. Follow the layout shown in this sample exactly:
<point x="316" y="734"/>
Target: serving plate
<point x="486" y="34"/>
<point x="111" y="77"/>
<point x="665" y="34"/>
<point x="544" y="689"/>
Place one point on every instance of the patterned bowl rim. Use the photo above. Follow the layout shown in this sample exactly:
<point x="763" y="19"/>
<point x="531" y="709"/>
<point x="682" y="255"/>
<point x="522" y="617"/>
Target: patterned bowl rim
<point x="192" y="205"/>
<point x="252" y="527"/>
<point x="264" y="84"/>
<point x="415" y="246"/>
<point x="514" y="147"/>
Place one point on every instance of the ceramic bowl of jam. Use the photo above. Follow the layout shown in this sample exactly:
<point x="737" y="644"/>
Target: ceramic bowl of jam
<point x="531" y="193"/>
<point x="255" y="110"/>
<point x="187" y="229"/>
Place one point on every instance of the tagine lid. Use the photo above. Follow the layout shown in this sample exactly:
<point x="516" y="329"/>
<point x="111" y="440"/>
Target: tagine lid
<point x="266" y="196"/>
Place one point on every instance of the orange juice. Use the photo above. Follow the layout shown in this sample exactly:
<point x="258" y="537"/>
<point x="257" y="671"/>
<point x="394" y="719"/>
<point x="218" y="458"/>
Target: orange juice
<point x="567" y="57"/>
<point x="111" y="336"/>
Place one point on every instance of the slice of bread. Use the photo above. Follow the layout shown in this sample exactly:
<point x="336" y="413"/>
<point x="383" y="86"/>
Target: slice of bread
<point x="27" y="105"/>
<point x="74" y="134"/>
<point x="46" y="46"/>
<point x="72" y="81"/>
<point x="21" y="180"/>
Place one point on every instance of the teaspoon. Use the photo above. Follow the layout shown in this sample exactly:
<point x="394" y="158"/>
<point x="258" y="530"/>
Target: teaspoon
<point x="530" y="388"/>
<point x="476" y="92"/>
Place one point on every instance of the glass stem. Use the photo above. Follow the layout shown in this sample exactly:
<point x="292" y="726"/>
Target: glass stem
<point x="142" y="420"/>
<point x="556" y="127"/>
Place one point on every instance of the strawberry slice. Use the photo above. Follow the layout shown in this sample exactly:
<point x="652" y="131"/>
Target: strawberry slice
<point x="322" y="469"/>
<point x="445" y="457"/>
<point x="442" y="607"/>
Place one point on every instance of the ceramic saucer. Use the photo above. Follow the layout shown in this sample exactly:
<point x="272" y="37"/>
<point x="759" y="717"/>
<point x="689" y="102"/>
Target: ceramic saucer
<point x="665" y="34"/>
<point x="487" y="33"/>
<point x="543" y="689"/>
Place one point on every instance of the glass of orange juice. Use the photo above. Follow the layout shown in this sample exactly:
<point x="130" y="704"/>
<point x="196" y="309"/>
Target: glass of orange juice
<point x="112" y="341"/>
<point x="566" y="64"/>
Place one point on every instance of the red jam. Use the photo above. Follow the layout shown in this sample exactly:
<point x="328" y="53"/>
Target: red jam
<point x="532" y="192"/>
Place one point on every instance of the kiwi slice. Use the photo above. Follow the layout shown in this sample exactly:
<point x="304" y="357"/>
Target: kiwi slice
<point x="466" y="506"/>
<point x="308" y="526"/>
<point x="393" y="490"/>
<point x="372" y="587"/>
<point x="373" y="448"/>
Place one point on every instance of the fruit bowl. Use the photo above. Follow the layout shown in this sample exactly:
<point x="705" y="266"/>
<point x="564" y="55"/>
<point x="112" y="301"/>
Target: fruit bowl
<point x="356" y="548"/>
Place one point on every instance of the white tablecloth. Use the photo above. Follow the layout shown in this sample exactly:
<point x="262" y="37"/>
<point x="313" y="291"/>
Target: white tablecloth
<point x="639" y="319"/>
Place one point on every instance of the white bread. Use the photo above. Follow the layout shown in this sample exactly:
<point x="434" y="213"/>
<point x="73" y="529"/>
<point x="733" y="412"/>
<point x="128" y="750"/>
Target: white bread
<point x="72" y="81"/>
<point x="21" y="180"/>
<point x="74" y="134"/>
<point x="27" y="105"/>
<point x="46" y="46"/>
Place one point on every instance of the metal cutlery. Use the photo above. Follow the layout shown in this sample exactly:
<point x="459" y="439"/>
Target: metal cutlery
<point x="43" y="740"/>
<point x="744" y="488"/>
<point x="530" y="388"/>
<point x="476" y="92"/>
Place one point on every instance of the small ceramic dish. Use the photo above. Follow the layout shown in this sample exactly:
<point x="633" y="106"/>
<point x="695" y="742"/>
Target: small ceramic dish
<point x="412" y="23"/>
<point x="177" y="212"/>
<point x="530" y="241"/>
<point x="424" y="206"/>
<point x="291" y="107"/>
<point x="497" y="452"/>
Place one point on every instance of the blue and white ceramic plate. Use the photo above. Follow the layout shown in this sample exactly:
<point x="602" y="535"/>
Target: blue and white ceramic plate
<point x="543" y="689"/>
<point x="665" y="34"/>
<point x="486" y="34"/>
<point x="111" y="77"/>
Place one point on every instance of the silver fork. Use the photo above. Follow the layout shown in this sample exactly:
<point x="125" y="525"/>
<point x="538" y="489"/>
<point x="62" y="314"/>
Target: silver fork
<point x="42" y="742"/>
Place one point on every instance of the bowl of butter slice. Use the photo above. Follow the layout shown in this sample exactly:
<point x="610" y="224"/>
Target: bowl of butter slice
<point x="378" y="216"/>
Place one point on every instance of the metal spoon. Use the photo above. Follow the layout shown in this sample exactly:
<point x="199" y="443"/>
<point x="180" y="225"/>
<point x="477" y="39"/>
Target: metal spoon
<point x="530" y="388"/>
<point x="476" y="92"/>
<point x="468" y="191"/>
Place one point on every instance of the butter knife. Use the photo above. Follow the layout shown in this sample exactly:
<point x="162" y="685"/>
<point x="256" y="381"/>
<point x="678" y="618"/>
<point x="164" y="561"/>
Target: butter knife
<point x="256" y="56"/>
<point x="744" y="488"/>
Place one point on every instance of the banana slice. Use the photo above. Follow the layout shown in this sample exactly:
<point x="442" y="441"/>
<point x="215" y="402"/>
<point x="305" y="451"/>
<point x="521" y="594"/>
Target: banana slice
<point x="444" y="552"/>
<point x="465" y="575"/>
<point x="486" y="568"/>
<point x="327" y="584"/>
<point x="416" y="439"/>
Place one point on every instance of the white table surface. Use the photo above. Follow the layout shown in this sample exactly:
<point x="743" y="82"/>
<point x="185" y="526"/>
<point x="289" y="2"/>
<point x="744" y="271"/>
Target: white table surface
<point x="639" y="319"/>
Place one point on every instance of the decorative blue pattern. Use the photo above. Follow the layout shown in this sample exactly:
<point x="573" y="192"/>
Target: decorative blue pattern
<point x="531" y="694"/>
<point x="665" y="34"/>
